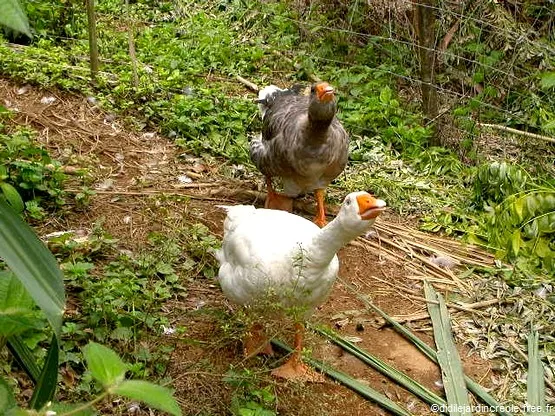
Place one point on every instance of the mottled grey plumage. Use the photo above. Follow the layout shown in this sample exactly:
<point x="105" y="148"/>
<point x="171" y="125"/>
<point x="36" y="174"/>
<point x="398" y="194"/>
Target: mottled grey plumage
<point x="302" y="140"/>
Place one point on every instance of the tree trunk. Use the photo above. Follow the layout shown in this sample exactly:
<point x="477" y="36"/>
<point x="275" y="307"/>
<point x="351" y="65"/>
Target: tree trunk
<point x="425" y="28"/>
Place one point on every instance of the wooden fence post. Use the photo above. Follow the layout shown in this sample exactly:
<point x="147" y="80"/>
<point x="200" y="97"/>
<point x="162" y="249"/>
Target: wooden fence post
<point x="93" y="45"/>
<point x="425" y="22"/>
<point x="131" y="42"/>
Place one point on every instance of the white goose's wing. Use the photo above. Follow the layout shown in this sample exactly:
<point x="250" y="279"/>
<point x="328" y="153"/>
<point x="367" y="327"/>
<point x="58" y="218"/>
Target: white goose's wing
<point x="258" y="251"/>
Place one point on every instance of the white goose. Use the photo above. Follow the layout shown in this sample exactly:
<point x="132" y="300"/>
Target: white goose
<point x="269" y="251"/>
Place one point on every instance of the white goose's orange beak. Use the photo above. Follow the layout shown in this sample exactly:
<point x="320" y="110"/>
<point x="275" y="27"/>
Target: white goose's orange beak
<point x="325" y="92"/>
<point x="370" y="207"/>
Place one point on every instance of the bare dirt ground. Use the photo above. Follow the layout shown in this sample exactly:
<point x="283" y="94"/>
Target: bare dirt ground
<point x="136" y="175"/>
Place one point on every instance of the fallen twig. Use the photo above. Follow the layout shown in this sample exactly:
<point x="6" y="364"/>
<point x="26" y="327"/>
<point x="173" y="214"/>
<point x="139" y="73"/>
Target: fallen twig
<point x="247" y="83"/>
<point x="466" y="307"/>
<point x="519" y="132"/>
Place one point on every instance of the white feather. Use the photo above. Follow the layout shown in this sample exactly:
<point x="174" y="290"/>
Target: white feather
<point x="263" y="94"/>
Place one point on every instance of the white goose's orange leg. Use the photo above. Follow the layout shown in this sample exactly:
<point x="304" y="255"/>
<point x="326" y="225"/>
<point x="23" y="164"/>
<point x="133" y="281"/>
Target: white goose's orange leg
<point x="256" y="342"/>
<point x="294" y="368"/>
<point x="275" y="200"/>
<point x="320" y="219"/>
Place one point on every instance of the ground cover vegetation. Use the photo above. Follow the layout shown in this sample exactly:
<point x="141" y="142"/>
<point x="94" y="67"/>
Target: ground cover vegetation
<point x="496" y="191"/>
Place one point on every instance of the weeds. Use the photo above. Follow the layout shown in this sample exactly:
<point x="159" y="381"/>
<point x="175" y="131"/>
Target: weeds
<point x="199" y="244"/>
<point x="115" y="302"/>
<point x="29" y="178"/>
<point x="249" y="399"/>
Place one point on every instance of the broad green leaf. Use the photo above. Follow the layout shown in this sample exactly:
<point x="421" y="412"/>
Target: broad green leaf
<point x="516" y="242"/>
<point x="546" y="223"/>
<point x="24" y="357"/>
<point x="533" y="204"/>
<point x="62" y="408"/>
<point x="531" y="229"/>
<point x="12" y="196"/>
<point x="385" y="95"/>
<point x="48" y="379"/>
<point x="535" y="385"/>
<point x="519" y="208"/>
<point x="7" y="401"/>
<point x="33" y="264"/>
<point x="548" y="201"/>
<point x="15" y="322"/>
<point x="447" y="355"/>
<point x="16" y="313"/>
<point x="542" y="248"/>
<point x="13" y="293"/>
<point x="104" y="364"/>
<point x="547" y="80"/>
<point x="503" y="169"/>
<point x="14" y="17"/>
<point x="155" y="396"/>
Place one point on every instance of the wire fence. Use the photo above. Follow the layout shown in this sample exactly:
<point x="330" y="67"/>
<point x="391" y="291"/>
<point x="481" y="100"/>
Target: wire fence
<point x="463" y="69"/>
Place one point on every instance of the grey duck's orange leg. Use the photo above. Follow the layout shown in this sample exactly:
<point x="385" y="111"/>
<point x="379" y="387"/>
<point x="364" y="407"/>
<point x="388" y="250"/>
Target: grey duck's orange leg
<point x="275" y="200"/>
<point x="320" y="219"/>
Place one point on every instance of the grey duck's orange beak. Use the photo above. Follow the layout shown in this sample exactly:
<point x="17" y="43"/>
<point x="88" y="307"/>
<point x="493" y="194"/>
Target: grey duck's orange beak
<point x="325" y="92"/>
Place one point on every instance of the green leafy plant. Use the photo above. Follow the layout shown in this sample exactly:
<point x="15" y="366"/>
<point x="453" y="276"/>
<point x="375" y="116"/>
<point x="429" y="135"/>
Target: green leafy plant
<point x="200" y="244"/>
<point x="248" y="399"/>
<point x="119" y="298"/>
<point x="109" y="371"/>
<point x="523" y="226"/>
<point x="39" y="279"/>
<point x="29" y="178"/>
<point x="369" y="107"/>
<point x="9" y="193"/>
<point x="215" y="125"/>
<point x="496" y="181"/>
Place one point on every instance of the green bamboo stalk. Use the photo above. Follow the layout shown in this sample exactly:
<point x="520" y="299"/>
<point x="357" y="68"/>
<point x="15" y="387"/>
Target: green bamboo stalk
<point x="399" y="377"/>
<point x="348" y="381"/>
<point x="535" y="384"/>
<point x="448" y="358"/>
<point x="474" y="387"/>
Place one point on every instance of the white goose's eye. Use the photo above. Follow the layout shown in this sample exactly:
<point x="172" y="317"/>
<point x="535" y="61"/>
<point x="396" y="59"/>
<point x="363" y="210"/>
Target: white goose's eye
<point x="348" y="201"/>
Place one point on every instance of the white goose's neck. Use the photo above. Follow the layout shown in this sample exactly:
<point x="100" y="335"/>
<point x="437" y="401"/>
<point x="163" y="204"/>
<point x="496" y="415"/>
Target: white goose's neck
<point x="328" y="242"/>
